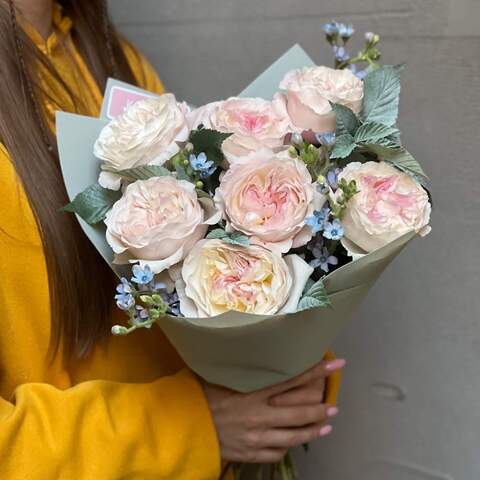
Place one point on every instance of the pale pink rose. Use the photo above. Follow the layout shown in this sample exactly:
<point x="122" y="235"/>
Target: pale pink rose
<point x="267" y="196"/>
<point x="390" y="204"/>
<point x="255" y="124"/>
<point x="148" y="133"/>
<point x="218" y="277"/>
<point x="310" y="91"/>
<point x="157" y="222"/>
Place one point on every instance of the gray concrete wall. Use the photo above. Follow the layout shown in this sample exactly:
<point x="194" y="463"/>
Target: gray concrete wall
<point x="410" y="404"/>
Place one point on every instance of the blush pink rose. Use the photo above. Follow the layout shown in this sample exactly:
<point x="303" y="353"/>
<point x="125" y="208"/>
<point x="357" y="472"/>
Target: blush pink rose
<point x="389" y="204"/>
<point x="255" y="124"/>
<point x="310" y="91"/>
<point x="217" y="277"/>
<point x="267" y="196"/>
<point x="157" y="222"/>
<point x="147" y="133"/>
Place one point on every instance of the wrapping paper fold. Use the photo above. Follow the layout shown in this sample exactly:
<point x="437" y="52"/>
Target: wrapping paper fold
<point x="239" y="351"/>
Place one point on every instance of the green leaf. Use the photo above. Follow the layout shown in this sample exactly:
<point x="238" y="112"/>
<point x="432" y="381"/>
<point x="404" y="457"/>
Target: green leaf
<point x="372" y="132"/>
<point x="210" y="142"/>
<point x="144" y="172"/>
<point x="347" y="121"/>
<point x="235" y="238"/>
<point x="400" y="158"/>
<point x="315" y="297"/>
<point x="382" y="95"/>
<point x="218" y="233"/>
<point x="93" y="203"/>
<point x="344" y="146"/>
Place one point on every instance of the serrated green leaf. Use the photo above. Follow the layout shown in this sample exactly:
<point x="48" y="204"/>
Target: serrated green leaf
<point x="218" y="233"/>
<point x="237" y="239"/>
<point x="144" y="172"/>
<point x="372" y="132"/>
<point x="382" y="95"/>
<point x="344" y="146"/>
<point x="93" y="203"/>
<point x="347" y="121"/>
<point x="209" y="142"/>
<point x="315" y="297"/>
<point x="401" y="159"/>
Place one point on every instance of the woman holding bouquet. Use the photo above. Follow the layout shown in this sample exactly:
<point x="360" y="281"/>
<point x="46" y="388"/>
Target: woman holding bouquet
<point x="76" y="403"/>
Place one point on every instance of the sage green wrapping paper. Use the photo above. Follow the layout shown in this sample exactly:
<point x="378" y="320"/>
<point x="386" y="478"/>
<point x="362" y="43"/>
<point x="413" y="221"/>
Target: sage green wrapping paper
<point x="240" y="351"/>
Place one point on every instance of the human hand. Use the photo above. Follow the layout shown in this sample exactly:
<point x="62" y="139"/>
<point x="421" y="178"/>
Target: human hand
<point x="260" y="427"/>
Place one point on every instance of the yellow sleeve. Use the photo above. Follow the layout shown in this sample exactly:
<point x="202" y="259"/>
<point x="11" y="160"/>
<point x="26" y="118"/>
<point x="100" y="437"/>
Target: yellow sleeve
<point x="104" y="430"/>
<point x="146" y="76"/>
<point x="333" y="383"/>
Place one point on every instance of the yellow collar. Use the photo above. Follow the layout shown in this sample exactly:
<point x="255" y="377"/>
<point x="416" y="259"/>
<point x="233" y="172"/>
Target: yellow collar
<point x="61" y="25"/>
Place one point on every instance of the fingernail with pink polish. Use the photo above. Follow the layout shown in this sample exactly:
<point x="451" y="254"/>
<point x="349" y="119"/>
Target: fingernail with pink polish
<point x="332" y="411"/>
<point x="325" y="430"/>
<point x="335" y="364"/>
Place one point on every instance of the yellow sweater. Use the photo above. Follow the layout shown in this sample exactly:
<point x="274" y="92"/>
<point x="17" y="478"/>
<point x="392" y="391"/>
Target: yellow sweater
<point x="131" y="410"/>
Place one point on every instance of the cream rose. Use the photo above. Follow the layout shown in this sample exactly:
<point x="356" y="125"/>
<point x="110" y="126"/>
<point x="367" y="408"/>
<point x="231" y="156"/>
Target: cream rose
<point x="267" y="197"/>
<point x="255" y="124"/>
<point x="310" y="91"/>
<point x="389" y="204"/>
<point x="147" y="133"/>
<point x="157" y="222"/>
<point x="218" y="277"/>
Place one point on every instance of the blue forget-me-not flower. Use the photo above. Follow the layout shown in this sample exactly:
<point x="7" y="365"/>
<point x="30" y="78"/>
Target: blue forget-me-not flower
<point x="201" y="164"/>
<point x="333" y="230"/>
<point x="124" y="297"/>
<point x="318" y="219"/>
<point x="142" y="276"/>
<point x="324" y="260"/>
<point x="330" y="28"/>
<point x="332" y="178"/>
<point x="341" y="53"/>
<point x="327" y="138"/>
<point x="345" y="30"/>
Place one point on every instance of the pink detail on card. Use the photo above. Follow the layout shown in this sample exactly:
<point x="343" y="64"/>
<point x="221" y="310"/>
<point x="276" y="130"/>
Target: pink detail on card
<point x="121" y="98"/>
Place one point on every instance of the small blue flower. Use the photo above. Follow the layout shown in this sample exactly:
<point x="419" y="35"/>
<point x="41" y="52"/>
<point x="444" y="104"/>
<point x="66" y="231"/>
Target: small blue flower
<point x="315" y="245"/>
<point x="125" y="286"/>
<point x="332" y="178"/>
<point x="361" y="74"/>
<point x="200" y="163"/>
<point x="141" y="314"/>
<point x="341" y="53"/>
<point x="345" y="30"/>
<point x="324" y="260"/>
<point x="333" y="230"/>
<point x="142" y="276"/>
<point x="318" y="219"/>
<point x="330" y="28"/>
<point x="125" y="301"/>
<point x="327" y="138"/>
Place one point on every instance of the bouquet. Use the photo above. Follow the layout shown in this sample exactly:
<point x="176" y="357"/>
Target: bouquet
<point x="250" y="229"/>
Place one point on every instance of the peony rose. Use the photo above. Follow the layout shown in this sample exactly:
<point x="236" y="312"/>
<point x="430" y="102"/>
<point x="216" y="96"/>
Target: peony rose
<point x="267" y="197"/>
<point x="255" y="123"/>
<point x="389" y="204"/>
<point x="310" y="91"/>
<point x="218" y="277"/>
<point x="157" y="221"/>
<point x="146" y="134"/>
